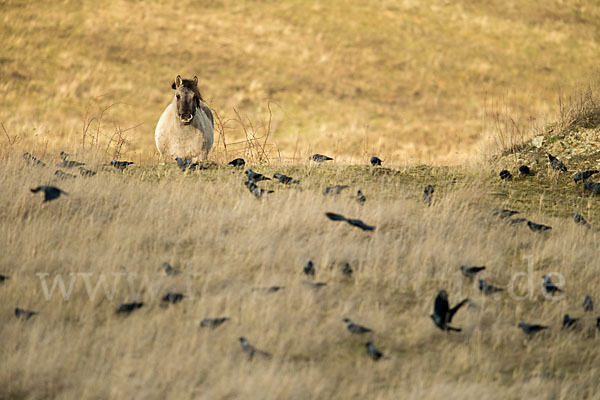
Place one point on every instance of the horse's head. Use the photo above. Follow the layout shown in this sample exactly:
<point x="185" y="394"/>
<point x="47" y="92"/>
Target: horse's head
<point x="188" y="98"/>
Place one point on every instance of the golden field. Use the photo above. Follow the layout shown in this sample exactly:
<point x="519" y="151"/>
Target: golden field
<point x="409" y="80"/>
<point x="447" y="94"/>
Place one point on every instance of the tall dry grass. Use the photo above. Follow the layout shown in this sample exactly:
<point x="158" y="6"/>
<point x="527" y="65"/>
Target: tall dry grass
<point x="226" y="243"/>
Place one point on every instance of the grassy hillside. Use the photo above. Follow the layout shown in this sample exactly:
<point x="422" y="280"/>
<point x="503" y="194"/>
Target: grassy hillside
<point x="121" y="227"/>
<point x="419" y="80"/>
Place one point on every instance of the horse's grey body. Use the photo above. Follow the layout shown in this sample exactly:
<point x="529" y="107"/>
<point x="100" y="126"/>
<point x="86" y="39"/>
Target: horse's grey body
<point x="185" y="128"/>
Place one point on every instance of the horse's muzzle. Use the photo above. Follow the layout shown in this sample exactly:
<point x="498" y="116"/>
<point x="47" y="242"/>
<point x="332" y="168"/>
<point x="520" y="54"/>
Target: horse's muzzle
<point x="186" y="118"/>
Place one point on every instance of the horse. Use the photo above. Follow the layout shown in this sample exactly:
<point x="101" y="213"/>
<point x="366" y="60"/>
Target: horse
<point x="185" y="128"/>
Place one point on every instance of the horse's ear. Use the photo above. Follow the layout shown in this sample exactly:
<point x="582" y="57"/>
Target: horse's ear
<point x="173" y="86"/>
<point x="178" y="82"/>
<point x="195" y="80"/>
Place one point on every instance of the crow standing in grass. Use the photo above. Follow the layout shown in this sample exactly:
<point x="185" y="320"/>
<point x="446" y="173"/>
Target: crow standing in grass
<point x="525" y="170"/>
<point x="593" y="187"/>
<point x="320" y="158"/>
<point x="360" y="197"/>
<point x="251" y="350"/>
<point x="120" y="164"/>
<point x="257" y="191"/>
<point x="427" y="194"/>
<point x="24" y="314"/>
<point x="582" y="176"/>
<point x="568" y="322"/>
<point x="286" y="180"/>
<point x="255" y="176"/>
<point x="373" y="352"/>
<point x="556" y="163"/>
<point x="538" y="227"/>
<point x="488" y="289"/>
<point x="579" y="220"/>
<point x="169" y="270"/>
<point x="549" y="286"/>
<point x="375" y="161"/>
<point x="32" y="160"/>
<point x="309" y="268"/>
<point x="63" y="175"/>
<point x="355" y="328"/>
<point x="50" y="192"/>
<point x="173" y="297"/>
<point x="443" y="314"/>
<point x="505" y="174"/>
<point x="336" y="189"/>
<point x="530" y="329"/>
<point x="212" y="322"/>
<point x="588" y="304"/>
<point x="86" y="172"/>
<point x="347" y="270"/>
<point x="470" y="272"/>
<point x="128" y="308"/>
<point x="238" y="162"/>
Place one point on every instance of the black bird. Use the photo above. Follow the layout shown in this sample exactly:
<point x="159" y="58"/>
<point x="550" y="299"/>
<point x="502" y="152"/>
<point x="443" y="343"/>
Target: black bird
<point x="212" y="322"/>
<point x="50" y="192"/>
<point x="525" y="170"/>
<point x="549" y="286"/>
<point x="286" y="180"/>
<point x="373" y="352"/>
<point x="86" y="172"/>
<point x="556" y="164"/>
<point x="255" y="176"/>
<point x="314" y="285"/>
<point x="588" y="304"/>
<point x="127" y="308"/>
<point x="120" y="164"/>
<point x="375" y="161"/>
<point x="251" y="350"/>
<point x="538" y="227"/>
<point x="24" y="314"/>
<point x="568" y="322"/>
<point x="531" y="328"/>
<point x="503" y="212"/>
<point x="336" y="189"/>
<point x="347" y="270"/>
<point x="470" y="272"/>
<point x="582" y="176"/>
<point x="594" y="187"/>
<point x="505" y="174"/>
<point x="427" y="194"/>
<point x="515" y="221"/>
<point x="443" y="314"/>
<point x="170" y="270"/>
<point x="354" y="222"/>
<point x="269" y="289"/>
<point x="70" y="164"/>
<point x="64" y="155"/>
<point x="257" y="191"/>
<point x="579" y="220"/>
<point x="32" y="160"/>
<point x="3" y="278"/>
<point x="355" y="328"/>
<point x="238" y="162"/>
<point x="487" y="289"/>
<point x="360" y="197"/>
<point x="182" y="164"/>
<point x="320" y="158"/>
<point x="173" y="297"/>
<point x="309" y="268"/>
<point x="63" y="175"/>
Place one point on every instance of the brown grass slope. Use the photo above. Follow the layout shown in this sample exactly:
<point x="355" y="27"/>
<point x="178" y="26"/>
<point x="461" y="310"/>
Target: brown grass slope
<point x="123" y="225"/>
<point x="406" y="79"/>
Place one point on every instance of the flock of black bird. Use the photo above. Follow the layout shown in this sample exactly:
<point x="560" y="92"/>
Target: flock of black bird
<point x="442" y="312"/>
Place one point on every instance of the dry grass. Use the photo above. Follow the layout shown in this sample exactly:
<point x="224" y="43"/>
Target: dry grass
<point x="226" y="242"/>
<point x="407" y="80"/>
